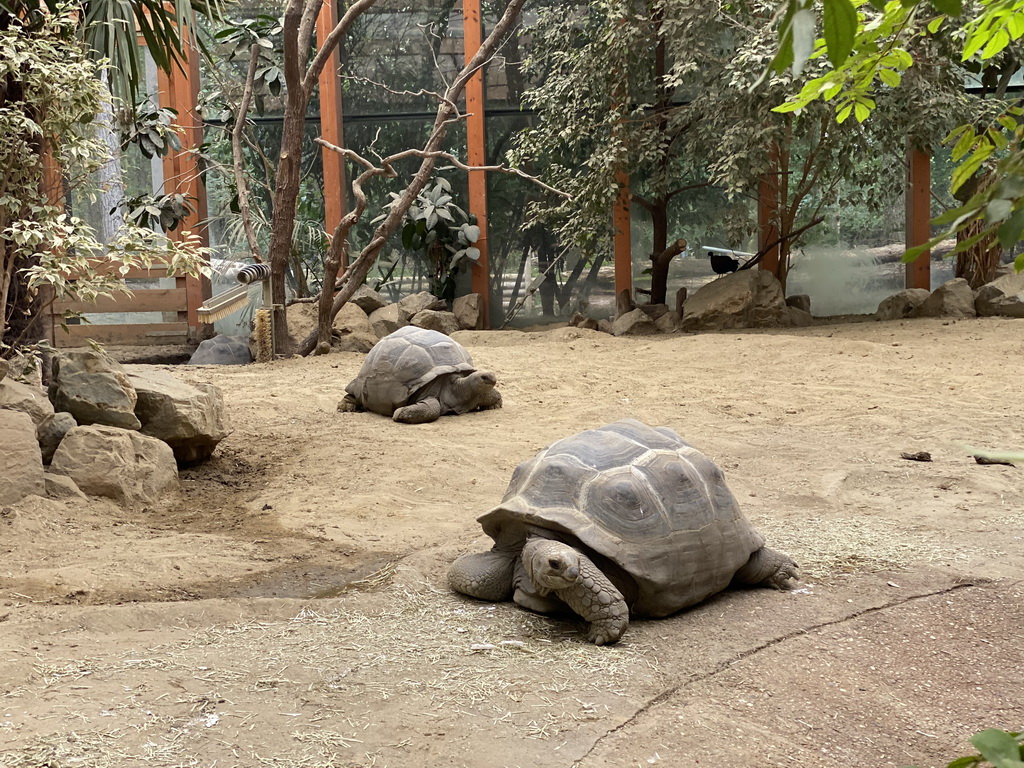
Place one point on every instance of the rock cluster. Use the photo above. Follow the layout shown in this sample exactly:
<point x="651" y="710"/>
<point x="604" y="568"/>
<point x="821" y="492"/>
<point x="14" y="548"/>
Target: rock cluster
<point x="103" y="431"/>
<point x="367" y="317"/>
<point x="1003" y="297"/>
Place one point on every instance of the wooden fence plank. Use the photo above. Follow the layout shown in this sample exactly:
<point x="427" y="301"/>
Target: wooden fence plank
<point x="155" y="300"/>
<point x="128" y="335"/>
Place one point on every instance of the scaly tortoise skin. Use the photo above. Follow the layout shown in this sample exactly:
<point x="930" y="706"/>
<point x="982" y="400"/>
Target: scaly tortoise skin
<point x="625" y="519"/>
<point x="415" y="375"/>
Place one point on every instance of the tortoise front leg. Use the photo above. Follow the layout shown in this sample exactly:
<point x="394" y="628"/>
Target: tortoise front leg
<point x="556" y="567"/>
<point x="422" y="412"/>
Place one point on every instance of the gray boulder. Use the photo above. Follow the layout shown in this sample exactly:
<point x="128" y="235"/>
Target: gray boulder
<point x="29" y="399"/>
<point x="750" y="298"/>
<point x="5" y="367"/>
<point x="900" y="305"/>
<point x="436" y="320"/>
<point x="1003" y="297"/>
<point x="21" y="463"/>
<point x="800" y="301"/>
<point x="119" y="464"/>
<point x="94" y="388"/>
<point x="388" y="320"/>
<point x="467" y="310"/>
<point x="953" y="298"/>
<point x="367" y="299"/>
<point x="62" y="487"/>
<point x="190" y="418"/>
<point x="51" y="431"/>
<point x="352" y="330"/>
<point x="222" y="349"/>
<point x="634" y="323"/>
<point x="654" y="311"/>
<point x="417" y="302"/>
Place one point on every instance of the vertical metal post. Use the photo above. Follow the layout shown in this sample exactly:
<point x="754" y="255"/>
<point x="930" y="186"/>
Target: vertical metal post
<point x="918" y="207"/>
<point x="179" y="90"/>
<point x="622" y="245"/>
<point x="332" y="126"/>
<point x="476" y="153"/>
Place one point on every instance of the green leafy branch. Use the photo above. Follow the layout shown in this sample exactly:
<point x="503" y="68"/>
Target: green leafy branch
<point x="1001" y="749"/>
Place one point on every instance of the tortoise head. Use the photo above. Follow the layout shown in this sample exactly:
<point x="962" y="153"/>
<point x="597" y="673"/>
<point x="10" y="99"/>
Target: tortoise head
<point x="551" y="565"/>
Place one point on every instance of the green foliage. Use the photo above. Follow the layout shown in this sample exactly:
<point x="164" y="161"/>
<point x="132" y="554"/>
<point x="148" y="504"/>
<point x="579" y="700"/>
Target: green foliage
<point x="50" y="96"/>
<point x="891" y="39"/>
<point x="443" y="232"/>
<point x="1000" y="749"/>
<point x="154" y="132"/>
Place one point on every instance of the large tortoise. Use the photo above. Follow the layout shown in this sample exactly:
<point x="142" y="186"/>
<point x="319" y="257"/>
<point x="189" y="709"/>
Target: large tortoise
<point x="415" y="375"/>
<point x="625" y="519"/>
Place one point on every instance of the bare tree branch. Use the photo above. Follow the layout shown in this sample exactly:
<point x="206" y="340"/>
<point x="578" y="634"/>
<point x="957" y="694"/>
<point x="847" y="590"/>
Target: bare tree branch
<point x="239" y="161"/>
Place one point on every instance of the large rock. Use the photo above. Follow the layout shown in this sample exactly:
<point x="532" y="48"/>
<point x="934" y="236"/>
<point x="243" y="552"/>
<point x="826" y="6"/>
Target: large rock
<point x="800" y="301"/>
<point x="750" y="298"/>
<point x="301" y="321"/>
<point x="222" y="349"/>
<point x="26" y="368"/>
<point x="953" y="298"/>
<point x="417" y="302"/>
<point x="436" y="320"/>
<point x="191" y="419"/>
<point x="367" y="299"/>
<point x="119" y="464"/>
<point x="16" y="396"/>
<point x="93" y="388"/>
<point x="634" y="323"/>
<point x="388" y="320"/>
<point x="352" y="330"/>
<point x="5" y="368"/>
<point x="467" y="310"/>
<point x="21" y="463"/>
<point x="1004" y="296"/>
<point x="62" y="487"/>
<point x="51" y="431"/>
<point x="902" y="304"/>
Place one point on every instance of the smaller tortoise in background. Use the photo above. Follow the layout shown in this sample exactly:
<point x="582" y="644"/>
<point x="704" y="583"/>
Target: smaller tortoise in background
<point x="415" y="375"/>
<point x="625" y="519"/>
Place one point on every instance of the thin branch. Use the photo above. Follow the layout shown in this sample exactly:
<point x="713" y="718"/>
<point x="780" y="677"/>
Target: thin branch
<point x="239" y="161"/>
<point x="332" y="41"/>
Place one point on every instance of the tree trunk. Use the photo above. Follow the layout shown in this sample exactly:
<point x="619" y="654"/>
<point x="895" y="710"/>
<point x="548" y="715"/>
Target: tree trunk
<point x="659" y="271"/>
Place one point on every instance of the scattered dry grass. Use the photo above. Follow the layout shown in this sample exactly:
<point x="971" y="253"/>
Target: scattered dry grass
<point x="825" y="548"/>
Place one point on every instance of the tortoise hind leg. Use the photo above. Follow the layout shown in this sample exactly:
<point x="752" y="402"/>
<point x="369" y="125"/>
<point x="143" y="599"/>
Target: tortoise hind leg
<point x="768" y="568"/>
<point x="419" y="413"/>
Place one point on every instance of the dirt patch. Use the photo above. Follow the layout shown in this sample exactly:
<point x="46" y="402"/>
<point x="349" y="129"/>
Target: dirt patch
<point x="289" y="607"/>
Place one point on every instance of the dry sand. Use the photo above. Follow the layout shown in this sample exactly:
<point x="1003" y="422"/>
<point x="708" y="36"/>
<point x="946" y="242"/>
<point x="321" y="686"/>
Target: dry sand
<point x="290" y="610"/>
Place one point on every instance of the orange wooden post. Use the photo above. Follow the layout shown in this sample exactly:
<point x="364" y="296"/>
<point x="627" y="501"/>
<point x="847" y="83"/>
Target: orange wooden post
<point x="768" y="218"/>
<point x="332" y="126"/>
<point x="53" y="188"/>
<point x="179" y="90"/>
<point x="476" y="153"/>
<point x="622" y="246"/>
<point x="918" y="206"/>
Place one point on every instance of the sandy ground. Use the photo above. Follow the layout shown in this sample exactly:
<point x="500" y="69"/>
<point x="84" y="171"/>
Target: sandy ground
<point x="289" y="609"/>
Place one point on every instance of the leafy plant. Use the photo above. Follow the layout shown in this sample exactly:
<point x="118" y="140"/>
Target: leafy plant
<point x="1001" y="749"/>
<point x="443" y="231"/>
<point x="152" y="211"/>
<point x="154" y="132"/>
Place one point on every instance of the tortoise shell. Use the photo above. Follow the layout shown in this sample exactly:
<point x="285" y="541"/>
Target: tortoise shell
<point x="639" y="496"/>
<point x="404" y="362"/>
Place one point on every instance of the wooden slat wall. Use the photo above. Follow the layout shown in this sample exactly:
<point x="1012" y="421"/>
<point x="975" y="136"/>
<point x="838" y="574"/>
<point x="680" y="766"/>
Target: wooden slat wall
<point x="128" y="334"/>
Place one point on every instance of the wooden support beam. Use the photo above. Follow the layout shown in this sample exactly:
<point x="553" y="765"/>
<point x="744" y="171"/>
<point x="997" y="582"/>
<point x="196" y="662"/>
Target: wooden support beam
<point x="622" y="245"/>
<point x="179" y="90"/>
<point x="919" y="214"/>
<point x="476" y="154"/>
<point x="332" y="127"/>
<point x="768" y="218"/>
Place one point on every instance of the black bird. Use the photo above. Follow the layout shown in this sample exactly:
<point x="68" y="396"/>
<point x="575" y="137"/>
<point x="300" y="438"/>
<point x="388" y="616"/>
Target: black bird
<point x="722" y="264"/>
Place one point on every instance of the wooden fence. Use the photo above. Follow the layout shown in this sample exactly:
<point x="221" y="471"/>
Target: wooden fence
<point x="168" y="301"/>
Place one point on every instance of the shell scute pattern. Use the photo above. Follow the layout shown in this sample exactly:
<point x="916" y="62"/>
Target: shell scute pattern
<point x="641" y="497"/>
<point x="404" y="362"/>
